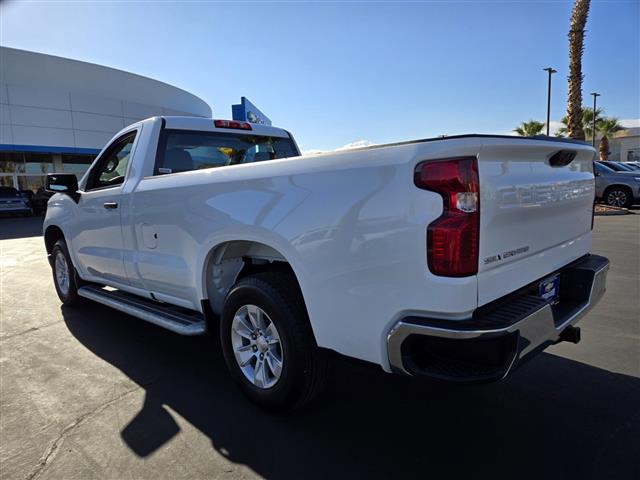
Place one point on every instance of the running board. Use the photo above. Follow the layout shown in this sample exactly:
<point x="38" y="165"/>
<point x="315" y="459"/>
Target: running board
<point x="176" y="319"/>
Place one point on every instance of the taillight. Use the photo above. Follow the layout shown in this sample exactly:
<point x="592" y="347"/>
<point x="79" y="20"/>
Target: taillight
<point x="232" y="124"/>
<point x="453" y="238"/>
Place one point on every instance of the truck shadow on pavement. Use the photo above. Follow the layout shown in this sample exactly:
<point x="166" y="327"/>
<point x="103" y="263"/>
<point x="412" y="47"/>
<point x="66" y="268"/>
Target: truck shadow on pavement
<point x="556" y="418"/>
<point x="20" y="227"/>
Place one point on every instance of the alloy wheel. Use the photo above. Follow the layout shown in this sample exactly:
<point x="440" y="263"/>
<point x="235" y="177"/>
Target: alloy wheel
<point x="62" y="273"/>
<point x="256" y="346"/>
<point x="617" y="198"/>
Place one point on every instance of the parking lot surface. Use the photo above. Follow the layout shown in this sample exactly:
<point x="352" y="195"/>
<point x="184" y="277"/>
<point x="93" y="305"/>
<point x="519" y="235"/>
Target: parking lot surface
<point x="93" y="393"/>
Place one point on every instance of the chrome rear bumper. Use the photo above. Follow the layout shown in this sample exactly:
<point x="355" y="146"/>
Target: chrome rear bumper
<point x="500" y="335"/>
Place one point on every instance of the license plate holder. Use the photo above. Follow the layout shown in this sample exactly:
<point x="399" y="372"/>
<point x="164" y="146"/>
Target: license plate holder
<point x="549" y="289"/>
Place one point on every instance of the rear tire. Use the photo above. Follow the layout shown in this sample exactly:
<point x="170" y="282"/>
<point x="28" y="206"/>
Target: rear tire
<point x="64" y="274"/>
<point x="268" y="344"/>
<point x="618" y="197"/>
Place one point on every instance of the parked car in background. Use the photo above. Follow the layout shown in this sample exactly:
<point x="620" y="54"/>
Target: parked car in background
<point x="27" y="195"/>
<point x="12" y="201"/>
<point x="615" y="188"/>
<point x="39" y="201"/>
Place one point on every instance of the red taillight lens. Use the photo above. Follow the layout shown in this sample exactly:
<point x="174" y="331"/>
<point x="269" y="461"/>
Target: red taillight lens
<point x="453" y="238"/>
<point x="232" y="124"/>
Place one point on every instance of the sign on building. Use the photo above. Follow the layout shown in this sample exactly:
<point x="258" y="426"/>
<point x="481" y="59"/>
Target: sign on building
<point x="246" y="111"/>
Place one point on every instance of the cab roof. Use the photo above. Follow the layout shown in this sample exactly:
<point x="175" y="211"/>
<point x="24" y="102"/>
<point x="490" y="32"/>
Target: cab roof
<point x="208" y="125"/>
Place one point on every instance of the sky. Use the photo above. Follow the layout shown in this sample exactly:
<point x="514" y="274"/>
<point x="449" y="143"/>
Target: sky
<point x="338" y="72"/>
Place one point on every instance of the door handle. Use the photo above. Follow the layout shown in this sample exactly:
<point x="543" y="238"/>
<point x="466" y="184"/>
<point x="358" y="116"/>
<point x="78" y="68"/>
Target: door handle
<point x="110" y="205"/>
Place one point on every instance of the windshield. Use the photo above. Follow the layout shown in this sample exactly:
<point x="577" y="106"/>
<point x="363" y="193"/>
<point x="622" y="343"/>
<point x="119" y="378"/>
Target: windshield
<point x="624" y="167"/>
<point x="601" y="168"/>
<point x="615" y="167"/>
<point x="8" y="192"/>
<point x="191" y="150"/>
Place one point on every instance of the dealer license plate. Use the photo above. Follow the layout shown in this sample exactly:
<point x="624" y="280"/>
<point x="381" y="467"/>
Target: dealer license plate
<point x="549" y="288"/>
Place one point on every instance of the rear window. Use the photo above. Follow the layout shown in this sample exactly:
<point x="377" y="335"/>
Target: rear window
<point x="182" y="151"/>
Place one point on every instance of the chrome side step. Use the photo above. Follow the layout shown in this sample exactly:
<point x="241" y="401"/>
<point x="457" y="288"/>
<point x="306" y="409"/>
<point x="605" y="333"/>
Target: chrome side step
<point x="176" y="319"/>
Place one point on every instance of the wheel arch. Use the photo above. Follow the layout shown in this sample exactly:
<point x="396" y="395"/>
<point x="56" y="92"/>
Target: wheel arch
<point x="229" y="260"/>
<point x="618" y="185"/>
<point x="52" y="234"/>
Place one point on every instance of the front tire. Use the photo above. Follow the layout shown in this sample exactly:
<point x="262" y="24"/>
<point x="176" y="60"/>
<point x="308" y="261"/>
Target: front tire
<point x="268" y="344"/>
<point x="64" y="275"/>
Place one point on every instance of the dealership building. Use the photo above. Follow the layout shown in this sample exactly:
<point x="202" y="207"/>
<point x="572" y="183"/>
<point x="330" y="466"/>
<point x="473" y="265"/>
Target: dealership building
<point x="56" y="114"/>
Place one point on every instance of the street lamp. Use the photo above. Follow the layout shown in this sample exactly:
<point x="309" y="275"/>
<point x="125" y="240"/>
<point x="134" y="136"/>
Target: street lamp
<point x="550" y="71"/>
<point x="593" y="131"/>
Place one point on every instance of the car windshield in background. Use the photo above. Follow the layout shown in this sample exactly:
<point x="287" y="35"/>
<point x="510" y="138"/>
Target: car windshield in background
<point x="624" y="167"/>
<point x="183" y="151"/>
<point x="8" y="192"/>
<point x="602" y="168"/>
<point x="616" y="167"/>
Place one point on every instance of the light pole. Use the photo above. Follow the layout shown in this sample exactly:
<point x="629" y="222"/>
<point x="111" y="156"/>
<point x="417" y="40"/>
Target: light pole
<point x="550" y="71"/>
<point x="593" y="132"/>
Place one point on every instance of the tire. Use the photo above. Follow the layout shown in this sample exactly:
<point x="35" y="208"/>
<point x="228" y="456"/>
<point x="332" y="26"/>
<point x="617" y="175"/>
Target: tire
<point x="302" y="369"/>
<point x="618" y="197"/>
<point x="60" y="259"/>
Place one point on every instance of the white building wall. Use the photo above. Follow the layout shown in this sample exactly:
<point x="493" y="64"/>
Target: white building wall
<point x="630" y="148"/>
<point x="623" y="143"/>
<point x="50" y="101"/>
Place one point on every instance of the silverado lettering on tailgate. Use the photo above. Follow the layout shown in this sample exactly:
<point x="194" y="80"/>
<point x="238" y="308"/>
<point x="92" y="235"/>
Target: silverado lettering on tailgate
<point x="544" y="193"/>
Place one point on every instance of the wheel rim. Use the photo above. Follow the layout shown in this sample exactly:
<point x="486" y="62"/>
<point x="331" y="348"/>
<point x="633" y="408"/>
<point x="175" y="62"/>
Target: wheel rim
<point x="617" y="198"/>
<point x="256" y="346"/>
<point x="62" y="273"/>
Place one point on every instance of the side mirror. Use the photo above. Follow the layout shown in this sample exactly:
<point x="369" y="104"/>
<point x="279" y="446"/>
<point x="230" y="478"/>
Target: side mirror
<point x="597" y="174"/>
<point x="63" y="183"/>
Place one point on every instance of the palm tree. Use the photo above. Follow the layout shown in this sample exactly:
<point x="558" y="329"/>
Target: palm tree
<point x="607" y="127"/>
<point x="564" y="130"/>
<point x="576" y="48"/>
<point x="530" y="128"/>
<point x="587" y="122"/>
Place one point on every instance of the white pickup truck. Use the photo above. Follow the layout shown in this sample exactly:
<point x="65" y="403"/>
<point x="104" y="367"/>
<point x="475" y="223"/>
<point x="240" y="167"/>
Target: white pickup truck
<point x="452" y="258"/>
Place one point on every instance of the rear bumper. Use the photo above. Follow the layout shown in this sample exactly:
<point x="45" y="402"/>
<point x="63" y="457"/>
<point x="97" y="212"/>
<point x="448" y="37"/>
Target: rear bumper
<point x="500" y="335"/>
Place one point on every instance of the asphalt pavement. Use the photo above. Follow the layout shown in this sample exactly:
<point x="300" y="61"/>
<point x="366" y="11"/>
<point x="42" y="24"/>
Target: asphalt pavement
<point x="93" y="393"/>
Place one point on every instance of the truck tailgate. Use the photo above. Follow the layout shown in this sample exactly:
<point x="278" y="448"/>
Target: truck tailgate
<point x="534" y="217"/>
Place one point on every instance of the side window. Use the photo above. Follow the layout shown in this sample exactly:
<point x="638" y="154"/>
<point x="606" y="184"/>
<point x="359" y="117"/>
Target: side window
<point x="112" y="166"/>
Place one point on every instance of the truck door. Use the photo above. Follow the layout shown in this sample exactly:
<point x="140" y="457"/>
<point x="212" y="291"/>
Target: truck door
<point x="97" y="233"/>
